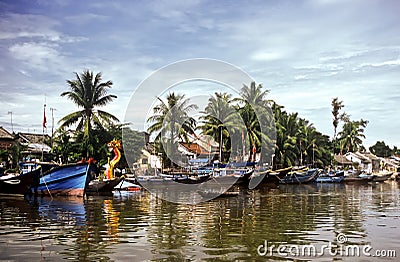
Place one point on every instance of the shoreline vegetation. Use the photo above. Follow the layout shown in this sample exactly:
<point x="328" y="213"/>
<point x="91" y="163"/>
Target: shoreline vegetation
<point x="266" y="131"/>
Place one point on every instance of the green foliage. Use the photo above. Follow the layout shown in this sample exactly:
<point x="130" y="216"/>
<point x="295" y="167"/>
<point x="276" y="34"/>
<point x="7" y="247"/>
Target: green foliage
<point x="382" y="150"/>
<point x="88" y="93"/>
<point x="73" y="148"/>
<point x="171" y="121"/>
<point x="133" y="143"/>
<point x="221" y="121"/>
<point x="350" y="138"/>
<point x="258" y="118"/>
<point x="298" y="142"/>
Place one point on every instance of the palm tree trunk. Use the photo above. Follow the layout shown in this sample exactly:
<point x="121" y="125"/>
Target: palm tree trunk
<point x="220" y="144"/>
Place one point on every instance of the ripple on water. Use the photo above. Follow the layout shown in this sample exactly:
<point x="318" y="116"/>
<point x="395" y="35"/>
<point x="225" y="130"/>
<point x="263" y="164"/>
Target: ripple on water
<point x="139" y="226"/>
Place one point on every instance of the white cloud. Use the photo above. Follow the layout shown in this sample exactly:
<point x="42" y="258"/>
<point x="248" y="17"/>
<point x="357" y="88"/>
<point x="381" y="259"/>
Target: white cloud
<point x="384" y="63"/>
<point x="41" y="56"/>
<point x="300" y="77"/>
<point x="267" y="56"/>
<point x="28" y="25"/>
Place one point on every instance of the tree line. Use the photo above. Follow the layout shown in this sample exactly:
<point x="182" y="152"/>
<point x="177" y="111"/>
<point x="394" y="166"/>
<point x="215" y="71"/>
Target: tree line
<point x="268" y="128"/>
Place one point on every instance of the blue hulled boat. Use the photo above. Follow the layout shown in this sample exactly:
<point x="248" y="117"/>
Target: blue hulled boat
<point x="329" y="179"/>
<point x="67" y="180"/>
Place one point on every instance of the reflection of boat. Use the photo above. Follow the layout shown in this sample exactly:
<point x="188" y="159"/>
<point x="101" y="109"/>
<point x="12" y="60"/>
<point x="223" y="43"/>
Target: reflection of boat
<point x="68" y="180"/>
<point x="216" y="194"/>
<point x="62" y="210"/>
<point x="300" y="178"/>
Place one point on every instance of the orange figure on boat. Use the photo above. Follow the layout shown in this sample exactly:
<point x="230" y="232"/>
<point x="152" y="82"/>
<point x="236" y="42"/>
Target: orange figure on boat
<point x="115" y="146"/>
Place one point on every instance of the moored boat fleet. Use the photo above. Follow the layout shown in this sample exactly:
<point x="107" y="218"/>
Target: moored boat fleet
<point x="82" y="178"/>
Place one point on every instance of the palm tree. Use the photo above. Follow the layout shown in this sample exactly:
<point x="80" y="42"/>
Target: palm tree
<point x="88" y="93"/>
<point x="221" y="120"/>
<point x="258" y="118"/>
<point x="351" y="136"/>
<point x="336" y="106"/>
<point x="171" y="120"/>
<point x="298" y="142"/>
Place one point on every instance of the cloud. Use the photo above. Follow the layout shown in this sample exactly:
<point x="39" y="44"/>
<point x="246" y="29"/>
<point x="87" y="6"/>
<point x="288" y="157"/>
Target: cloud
<point x="27" y="26"/>
<point x="267" y="56"/>
<point x="384" y="63"/>
<point x="40" y="56"/>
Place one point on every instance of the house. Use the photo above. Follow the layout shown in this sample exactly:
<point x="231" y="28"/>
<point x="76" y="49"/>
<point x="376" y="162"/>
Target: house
<point x="375" y="161"/>
<point x="390" y="164"/>
<point x="35" y="145"/>
<point x="342" y="161"/>
<point x="7" y="140"/>
<point x="366" y="161"/>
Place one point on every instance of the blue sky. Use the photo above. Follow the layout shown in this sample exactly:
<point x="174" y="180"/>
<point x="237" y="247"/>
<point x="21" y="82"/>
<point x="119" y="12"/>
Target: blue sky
<point x="305" y="52"/>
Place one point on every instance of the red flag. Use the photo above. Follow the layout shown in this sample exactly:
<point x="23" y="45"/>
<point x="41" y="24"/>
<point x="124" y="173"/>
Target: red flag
<point x="44" y="116"/>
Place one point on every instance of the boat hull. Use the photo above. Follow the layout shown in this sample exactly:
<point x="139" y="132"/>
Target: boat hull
<point x="102" y="186"/>
<point x="67" y="180"/>
<point x="18" y="184"/>
<point x="358" y="180"/>
<point x="328" y="179"/>
<point x="303" y="178"/>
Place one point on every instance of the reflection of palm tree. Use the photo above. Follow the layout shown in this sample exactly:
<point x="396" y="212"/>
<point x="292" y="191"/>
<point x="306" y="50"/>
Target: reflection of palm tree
<point x="172" y="121"/>
<point x="88" y="92"/>
<point x="220" y="118"/>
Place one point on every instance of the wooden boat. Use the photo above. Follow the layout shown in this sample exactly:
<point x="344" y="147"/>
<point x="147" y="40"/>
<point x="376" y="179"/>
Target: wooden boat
<point x="67" y="180"/>
<point x="358" y="179"/>
<point x="21" y="183"/>
<point x="128" y="185"/>
<point x="106" y="184"/>
<point x="382" y="176"/>
<point x="329" y="179"/>
<point x="267" y="176"/>
<point x="102" y="187"/>
<point x="193" y="179"/>
<point x="300" y="178"/>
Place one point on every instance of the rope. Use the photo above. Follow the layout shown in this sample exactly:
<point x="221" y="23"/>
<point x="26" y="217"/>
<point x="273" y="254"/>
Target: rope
<point x="44" y="180"/>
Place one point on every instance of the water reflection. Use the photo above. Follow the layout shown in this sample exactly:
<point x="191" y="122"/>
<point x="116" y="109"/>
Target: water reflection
<point x="138" y="226"/>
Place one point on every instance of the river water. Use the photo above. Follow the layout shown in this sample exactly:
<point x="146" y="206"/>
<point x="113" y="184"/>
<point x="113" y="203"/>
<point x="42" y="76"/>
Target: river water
<point x="137" y="226"/>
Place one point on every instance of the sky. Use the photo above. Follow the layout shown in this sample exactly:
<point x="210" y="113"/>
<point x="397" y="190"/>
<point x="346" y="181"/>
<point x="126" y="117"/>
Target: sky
<point x="305" y="52"/>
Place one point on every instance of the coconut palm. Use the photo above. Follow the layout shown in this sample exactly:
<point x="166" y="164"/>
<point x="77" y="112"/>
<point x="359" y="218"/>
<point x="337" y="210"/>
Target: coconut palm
<point x="298" y="142"/>
<point x="221" y="120"/>
<point x="258" y="118"/>
<point x="89" y="93"/>
<point x="351" y="136"/>
<point x="171" y="121"/>
<point x="336" y="106"/>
